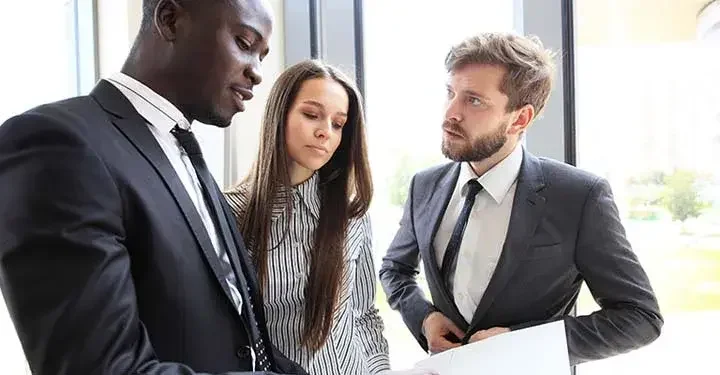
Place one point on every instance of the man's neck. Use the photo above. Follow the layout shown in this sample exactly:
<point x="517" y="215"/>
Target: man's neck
<point x="481" y="167"/>
<point x="145" y="65"/>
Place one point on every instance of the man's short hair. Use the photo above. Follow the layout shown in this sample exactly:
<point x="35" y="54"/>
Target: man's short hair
<point x="148" y="11"/>
<point x="529" y="66"/>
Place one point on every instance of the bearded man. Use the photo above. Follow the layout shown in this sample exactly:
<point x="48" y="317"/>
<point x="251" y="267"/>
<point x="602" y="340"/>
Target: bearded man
<point x="506" y="238"/>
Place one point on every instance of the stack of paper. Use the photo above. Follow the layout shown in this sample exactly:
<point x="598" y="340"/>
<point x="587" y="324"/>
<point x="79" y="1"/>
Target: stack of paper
<point x="539" y="350"/>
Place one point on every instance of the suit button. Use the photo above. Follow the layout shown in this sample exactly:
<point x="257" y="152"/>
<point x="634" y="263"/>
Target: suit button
<point x="243" y="352"/>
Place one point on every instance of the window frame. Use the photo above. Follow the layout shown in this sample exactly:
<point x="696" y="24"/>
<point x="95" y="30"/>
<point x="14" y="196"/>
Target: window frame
<point x="85" y="57"/>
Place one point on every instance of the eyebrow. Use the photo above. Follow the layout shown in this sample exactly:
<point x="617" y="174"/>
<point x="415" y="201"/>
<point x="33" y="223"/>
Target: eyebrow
<point x="319" y="105"/>
<point x="471" y="93"/>
<point x="479" y="95"/>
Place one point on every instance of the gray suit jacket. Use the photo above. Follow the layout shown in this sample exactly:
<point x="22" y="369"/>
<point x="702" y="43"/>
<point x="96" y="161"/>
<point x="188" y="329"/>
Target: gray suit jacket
<point x="564" y="229"/>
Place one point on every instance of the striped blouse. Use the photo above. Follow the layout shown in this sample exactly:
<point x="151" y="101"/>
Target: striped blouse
<point x="355" y="345"/>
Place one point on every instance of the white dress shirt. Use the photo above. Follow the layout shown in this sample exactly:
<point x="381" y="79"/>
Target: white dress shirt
<point x="486" y="229"/>
<point x="161" y="116"/>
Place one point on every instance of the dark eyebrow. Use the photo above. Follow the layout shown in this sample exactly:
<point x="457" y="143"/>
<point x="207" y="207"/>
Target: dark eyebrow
<point x="322" y="107"/>
<point x="473" y="93"/>
<point x="251" y="29"/>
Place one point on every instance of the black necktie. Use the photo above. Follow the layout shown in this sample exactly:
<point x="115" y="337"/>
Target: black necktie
<point x="212" y="196"/>
<point x="449" y="262"/>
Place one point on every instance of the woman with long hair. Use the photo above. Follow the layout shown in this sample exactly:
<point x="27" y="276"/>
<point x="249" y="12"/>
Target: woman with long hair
<point x="302" y="211"/>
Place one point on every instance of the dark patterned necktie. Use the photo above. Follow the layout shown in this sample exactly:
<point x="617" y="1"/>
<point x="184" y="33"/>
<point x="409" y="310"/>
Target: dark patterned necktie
<point x="449" y="263"/>
<point x="212" y="196"/>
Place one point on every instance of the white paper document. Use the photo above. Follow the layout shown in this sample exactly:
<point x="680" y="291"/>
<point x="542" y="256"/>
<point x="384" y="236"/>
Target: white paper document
<point x="539" y="350"/>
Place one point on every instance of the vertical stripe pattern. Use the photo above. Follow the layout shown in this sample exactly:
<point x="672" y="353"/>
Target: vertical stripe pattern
<point x="356" y="345"/>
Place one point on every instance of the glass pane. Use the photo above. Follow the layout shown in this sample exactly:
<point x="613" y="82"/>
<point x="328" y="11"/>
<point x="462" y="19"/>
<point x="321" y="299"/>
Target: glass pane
<point x="40" y="68"/>
<point x="648" y="102"/>
<point x="405" y="92"/>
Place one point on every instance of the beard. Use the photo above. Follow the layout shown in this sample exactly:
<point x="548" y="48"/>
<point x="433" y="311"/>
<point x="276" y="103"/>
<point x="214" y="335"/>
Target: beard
<point x="477" y="149"/>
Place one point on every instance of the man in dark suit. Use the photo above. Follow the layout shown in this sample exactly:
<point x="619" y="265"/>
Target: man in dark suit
<point x="506" y="238"/>
<point x="117" y="255"/>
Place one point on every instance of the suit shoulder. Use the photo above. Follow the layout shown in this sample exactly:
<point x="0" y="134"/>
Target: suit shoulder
<point x="68" y="117"/>
<point x="433" y="173"/>
<point x="566" y="176"/>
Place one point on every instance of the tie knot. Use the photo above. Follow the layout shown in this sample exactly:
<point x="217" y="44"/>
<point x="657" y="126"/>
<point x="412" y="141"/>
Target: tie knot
<point x="472" y="188"/>
<point x="187" y="140"/>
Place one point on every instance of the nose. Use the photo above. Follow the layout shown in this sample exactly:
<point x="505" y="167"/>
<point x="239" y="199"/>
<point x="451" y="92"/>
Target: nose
<point x="252" y="72"/>
<point x="453" y="111"/>
<point x="322" y="131"/>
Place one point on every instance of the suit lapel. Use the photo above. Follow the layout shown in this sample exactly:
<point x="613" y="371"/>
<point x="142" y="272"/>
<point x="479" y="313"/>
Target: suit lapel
<point x="527" y="209"/>
<point x="238" y="253"/>
<point x="436" y="205"/>
<point x="240" y="258"/>
<point x="134" y="127"/>
<point x="436" y="210"/>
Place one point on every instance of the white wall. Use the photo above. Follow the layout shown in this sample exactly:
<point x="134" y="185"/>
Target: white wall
<point x="243" y="135"/>
<point x="118" y="22"/>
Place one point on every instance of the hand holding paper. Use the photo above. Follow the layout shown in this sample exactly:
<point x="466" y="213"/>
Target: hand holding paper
<point x="437" y="328"/>
<point x="539" y="350"/>
<point x="487" y="333"/>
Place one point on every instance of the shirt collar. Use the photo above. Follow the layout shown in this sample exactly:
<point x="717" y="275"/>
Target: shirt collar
<point x="307" y="192"/>
<point x="498" y="180"/>
<point x="156" y="110"/>
<point x="310" y="195"/>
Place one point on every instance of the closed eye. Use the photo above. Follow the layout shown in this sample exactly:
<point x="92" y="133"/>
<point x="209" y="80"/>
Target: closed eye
<point x="243" y="44"/>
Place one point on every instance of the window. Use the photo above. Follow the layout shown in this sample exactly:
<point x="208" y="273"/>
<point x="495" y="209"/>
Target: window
<point x="405" y="95"/>
<point x="648" y="120"/>
<point x="44" y="63"/>
<point x="51" y="58"/>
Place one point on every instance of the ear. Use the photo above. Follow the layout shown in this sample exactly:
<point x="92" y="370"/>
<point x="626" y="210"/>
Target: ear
<point x="523" y="118"/>
<point x="167" y="17"/>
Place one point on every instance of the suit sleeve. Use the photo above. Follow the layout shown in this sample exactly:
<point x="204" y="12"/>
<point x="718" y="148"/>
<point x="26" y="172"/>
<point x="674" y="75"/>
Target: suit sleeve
<point x="398" y="275"/>
<point x="64" y="269"/>
<point x="629" y="315"/>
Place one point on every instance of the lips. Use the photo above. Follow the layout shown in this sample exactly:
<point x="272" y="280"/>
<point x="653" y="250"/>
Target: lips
<point x="319" y="149"/>
<point x="243" y="92"/>
<point x="452" y="132"/>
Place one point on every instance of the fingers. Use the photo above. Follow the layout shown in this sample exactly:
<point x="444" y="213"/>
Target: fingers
<point x="439" y="344"/>
<point x="486" y="333"/>
<point x="479" y="335"/>
<point x="454" y="329"/>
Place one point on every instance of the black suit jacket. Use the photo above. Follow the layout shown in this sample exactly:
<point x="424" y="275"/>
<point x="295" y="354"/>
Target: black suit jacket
<point x="564" y="229"/>
<point x="105" y="264"/>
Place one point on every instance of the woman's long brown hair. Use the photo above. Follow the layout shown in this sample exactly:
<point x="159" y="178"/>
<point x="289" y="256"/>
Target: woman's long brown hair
<point x="345" y="189"/>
